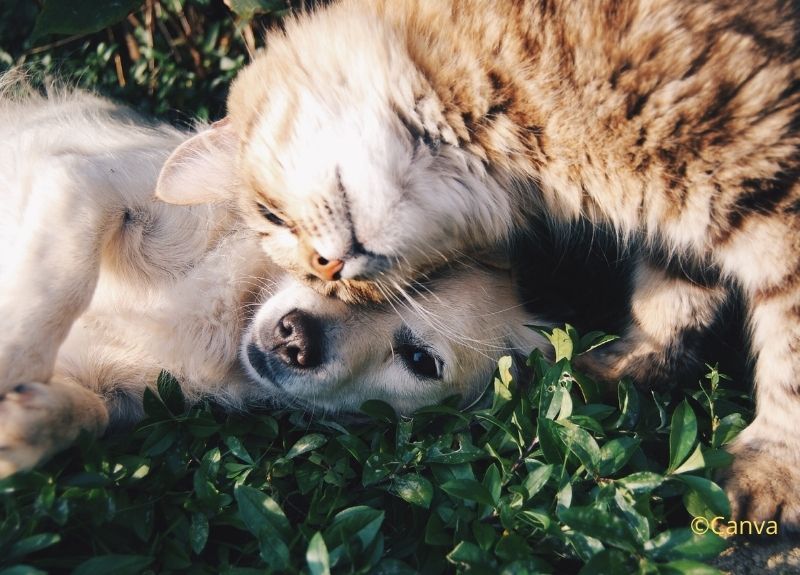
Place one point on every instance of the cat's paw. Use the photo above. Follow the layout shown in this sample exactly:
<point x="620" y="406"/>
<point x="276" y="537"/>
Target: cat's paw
<point x="763" y="484"/>
<point x="649" y="365"/>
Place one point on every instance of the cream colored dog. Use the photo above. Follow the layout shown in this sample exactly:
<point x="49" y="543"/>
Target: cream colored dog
<point x="103" y="287"/>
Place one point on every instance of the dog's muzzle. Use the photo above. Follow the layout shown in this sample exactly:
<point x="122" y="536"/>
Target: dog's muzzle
<point x="291" y="346"/>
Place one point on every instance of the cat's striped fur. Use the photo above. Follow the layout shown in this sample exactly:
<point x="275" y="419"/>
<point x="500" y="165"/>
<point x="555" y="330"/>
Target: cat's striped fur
<point x="389" y="136"/>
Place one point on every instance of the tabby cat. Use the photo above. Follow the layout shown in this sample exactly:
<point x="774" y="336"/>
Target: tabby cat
<point x="375" y="140"/>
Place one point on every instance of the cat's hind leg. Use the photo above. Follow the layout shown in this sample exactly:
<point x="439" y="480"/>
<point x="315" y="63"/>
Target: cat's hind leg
<point x="763" y="482"/>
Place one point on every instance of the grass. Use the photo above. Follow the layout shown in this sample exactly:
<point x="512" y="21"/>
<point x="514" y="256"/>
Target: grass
<point x="545" y="476"/>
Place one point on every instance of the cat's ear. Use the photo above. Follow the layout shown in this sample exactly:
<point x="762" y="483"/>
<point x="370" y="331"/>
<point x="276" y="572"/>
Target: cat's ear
<point x="202" y="169"/>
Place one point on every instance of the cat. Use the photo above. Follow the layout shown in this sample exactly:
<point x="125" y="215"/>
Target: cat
<point x="375" y="140"/>
<point x="101" y="288"/>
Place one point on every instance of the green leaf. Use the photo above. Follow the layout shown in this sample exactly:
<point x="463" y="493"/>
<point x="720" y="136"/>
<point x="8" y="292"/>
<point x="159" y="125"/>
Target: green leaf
<point x="257" y="509"/>
<point x="377" y="467"/>
<point x="485" y="535"/>
<point x="512" y="547"/>
<point x="32" y="544"/>
<point x="413" y="488"/>
<point x="465" y="453"/>
<point x="504" y="365"/>
<point x="709" y="498"/>
<point x="469" y="555"/>
<point x="641" y="482"/>
<point x="468" y="489"/>
<point x="599" y="524"/>
<point x="355" y="446"/>
<point x="682" y="435"/>
<point x="307" y="443"/>
<point x="265" y="519"/>
<point x="550" y="441"/>
<point x="379" y="411"/>
<point x="198" y="532"/>
<point x="359" y="524"/>
<point x="705" y="458"/>
<point x="493" y="482"/>
<point x="684" y="544"/>
<point x="593" y="340"/>
<point x="616" y="453"/>
<point x="238" y="449"/>
<point x="728" y="428"/>
<point x="581" y="443"/>
<point x="116" y="564"/>
<point x="562" y="343"/>
<point x="169" y="390"/>
<point x="626" y="503"/>
<point x="630" y="406"/>
<point x="154" y="407"/>
<point x="585" y="547"/>
<point x="607" y="562"/>
<point x="85" y="17"/>
<point x="319" y="563"/>
<point x="435" y="533"/>
<point x="537" y="478"/>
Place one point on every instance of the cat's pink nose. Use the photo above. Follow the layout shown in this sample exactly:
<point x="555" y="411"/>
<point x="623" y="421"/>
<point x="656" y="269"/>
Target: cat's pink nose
<point x="324" y="269"/>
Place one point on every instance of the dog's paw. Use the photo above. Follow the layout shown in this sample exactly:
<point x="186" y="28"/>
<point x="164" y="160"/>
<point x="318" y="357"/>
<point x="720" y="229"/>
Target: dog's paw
<point x="24" y="436"/>
<point x="763" y="484"/>
<point x="39" y="419"/>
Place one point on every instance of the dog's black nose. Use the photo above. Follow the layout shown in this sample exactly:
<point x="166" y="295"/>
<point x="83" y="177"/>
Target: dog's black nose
<point x="296" y="340"/>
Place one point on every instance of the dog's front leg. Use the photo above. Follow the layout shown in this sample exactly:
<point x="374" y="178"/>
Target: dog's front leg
<point x="49" y="272"/>
<point x="48" y="276"/>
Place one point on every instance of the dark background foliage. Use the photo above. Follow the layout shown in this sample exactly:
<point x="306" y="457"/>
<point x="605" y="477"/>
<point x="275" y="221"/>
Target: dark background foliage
<point x="171" y="58"/>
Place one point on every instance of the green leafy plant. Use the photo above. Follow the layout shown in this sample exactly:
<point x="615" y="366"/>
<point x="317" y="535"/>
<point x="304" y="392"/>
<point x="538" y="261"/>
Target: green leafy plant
<point x="545" y="477"/>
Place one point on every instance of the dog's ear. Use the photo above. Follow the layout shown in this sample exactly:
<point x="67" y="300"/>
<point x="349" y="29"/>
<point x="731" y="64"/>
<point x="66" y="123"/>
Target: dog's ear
<point x="202" y="169"/>
<point x="497" y="258"/>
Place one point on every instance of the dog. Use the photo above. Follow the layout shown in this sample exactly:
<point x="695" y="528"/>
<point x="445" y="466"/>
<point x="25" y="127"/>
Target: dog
<point x="103" y="287"/>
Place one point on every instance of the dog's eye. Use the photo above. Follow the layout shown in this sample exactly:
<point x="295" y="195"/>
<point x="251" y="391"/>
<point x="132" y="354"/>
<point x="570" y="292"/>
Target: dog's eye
<point x="269" y="216"/>
<point x="420" y="361"/>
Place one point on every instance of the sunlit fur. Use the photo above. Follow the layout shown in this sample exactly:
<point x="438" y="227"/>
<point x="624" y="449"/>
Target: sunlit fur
<point x="394" y="135"/>
<point x="102" y="287"/>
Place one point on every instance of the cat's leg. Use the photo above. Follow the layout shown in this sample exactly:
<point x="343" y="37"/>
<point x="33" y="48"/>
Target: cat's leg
<point x="764" y="480"/>
<point x="668" y="313"/>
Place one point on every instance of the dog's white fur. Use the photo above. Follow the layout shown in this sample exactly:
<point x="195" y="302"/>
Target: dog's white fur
<point x="103" y="287"/>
